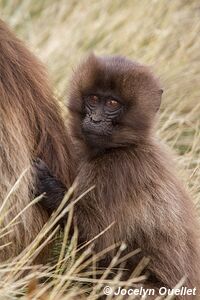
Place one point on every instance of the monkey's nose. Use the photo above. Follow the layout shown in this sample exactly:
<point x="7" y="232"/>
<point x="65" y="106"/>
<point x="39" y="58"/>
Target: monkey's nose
<point x="95" y="118"/>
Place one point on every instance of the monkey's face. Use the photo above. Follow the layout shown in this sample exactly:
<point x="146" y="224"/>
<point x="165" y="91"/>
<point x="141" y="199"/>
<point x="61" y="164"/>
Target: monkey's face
<point x="113" y="102"/>
<point x="101" y="115"/>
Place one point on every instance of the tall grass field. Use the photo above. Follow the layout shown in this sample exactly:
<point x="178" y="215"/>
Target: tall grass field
<point x="162" y="34"/>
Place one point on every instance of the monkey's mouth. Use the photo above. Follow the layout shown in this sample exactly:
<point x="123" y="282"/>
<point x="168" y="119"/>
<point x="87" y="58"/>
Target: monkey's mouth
<point x="94" y="139"/>
<point x="96" y="135"/>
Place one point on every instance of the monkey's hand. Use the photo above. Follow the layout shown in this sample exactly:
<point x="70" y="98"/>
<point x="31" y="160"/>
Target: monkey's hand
<point x="47" y="184"/>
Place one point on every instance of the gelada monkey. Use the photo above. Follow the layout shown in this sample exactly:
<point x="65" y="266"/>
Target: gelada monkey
<point x="113" y="104"/>
<point x="30" y="126"/>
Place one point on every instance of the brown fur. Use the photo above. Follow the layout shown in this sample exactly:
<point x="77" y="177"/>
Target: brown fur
<point x="30" y="126"/>
<point x="135" y="184"/>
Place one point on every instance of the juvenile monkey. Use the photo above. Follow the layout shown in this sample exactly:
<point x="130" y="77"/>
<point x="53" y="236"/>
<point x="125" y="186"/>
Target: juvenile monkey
<point x="113" y="104"/>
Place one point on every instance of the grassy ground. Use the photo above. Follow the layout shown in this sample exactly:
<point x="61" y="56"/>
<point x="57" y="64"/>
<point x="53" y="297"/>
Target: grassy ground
<point x="164" y="34"/>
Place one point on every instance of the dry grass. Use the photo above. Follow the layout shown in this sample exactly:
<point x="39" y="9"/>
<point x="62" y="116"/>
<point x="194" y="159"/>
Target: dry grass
<point x="164" y="34"/>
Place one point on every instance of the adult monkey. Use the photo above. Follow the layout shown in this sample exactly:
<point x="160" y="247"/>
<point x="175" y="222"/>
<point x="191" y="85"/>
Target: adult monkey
<point x="113" y="104"/>
<point x="30" y="125"/>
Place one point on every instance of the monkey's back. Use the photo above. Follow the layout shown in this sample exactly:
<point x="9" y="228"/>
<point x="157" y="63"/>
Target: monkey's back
<point x="30" y="125"/>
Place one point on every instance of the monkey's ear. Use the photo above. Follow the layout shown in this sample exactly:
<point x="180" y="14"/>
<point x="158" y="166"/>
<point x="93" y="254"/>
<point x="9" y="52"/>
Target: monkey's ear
<point x="91" y="58"/>
<point x="158" y="102"/>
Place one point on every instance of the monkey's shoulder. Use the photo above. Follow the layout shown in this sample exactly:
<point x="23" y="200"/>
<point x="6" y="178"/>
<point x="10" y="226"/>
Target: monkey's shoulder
<point x="143" y="169"/>
<point x="125" y="159"/>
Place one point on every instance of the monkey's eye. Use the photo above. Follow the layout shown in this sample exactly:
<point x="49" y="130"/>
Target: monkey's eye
<point x="113" y="104"/>
<point x="92" y="100"/>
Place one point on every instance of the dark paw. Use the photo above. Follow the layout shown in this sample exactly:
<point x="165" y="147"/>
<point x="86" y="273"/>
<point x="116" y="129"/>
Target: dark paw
<point x="42" y="176"/>
<point x="47" y="184"/>
<point x="41" y="168"/>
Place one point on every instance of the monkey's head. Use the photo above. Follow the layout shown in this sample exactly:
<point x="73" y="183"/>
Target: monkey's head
<point x="113" y="102"/>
